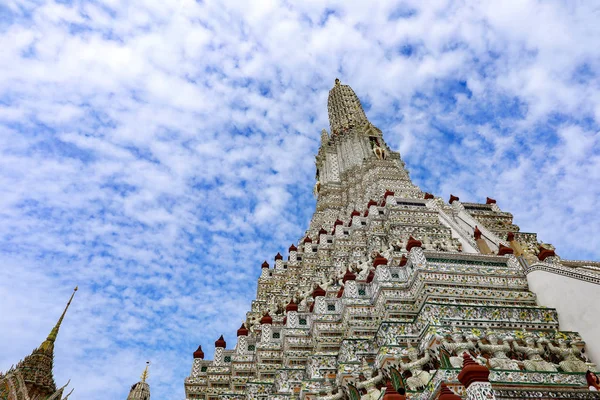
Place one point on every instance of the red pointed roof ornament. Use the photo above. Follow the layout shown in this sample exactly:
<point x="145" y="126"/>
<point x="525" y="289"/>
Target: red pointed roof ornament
<point x="199" y="353"/>
<point x="354" y="213"/>
<point x="412" y="242"/>
<point x="307" y="240"/>
<point x="243" y="331"/>
<point x="477" y="233"/>
<point x="266" y="319"/>
<point x="472" y="372"/>
<point x="291" y="306"/>
<point x="221" y="342"/>
<point x="338" y="222"/>
<point x="292" y="248"/>
<point x="489" y="200"/>
<point x="382" y="203"/>
<point x="319" y="291"/>
<point x="278" y="256"/>
<point x="379" y="260"/>
<point x="388" y="193"/>
<point x="322" y="232"/>
<point x="265" y="264"/>
<point x="371" y="203"/>
<point x="447" y="394"/>
<point x="428" y="196"/>
<point x="371" y="276"/>
<point x="545" y="253"/>
<point x="503" y="250"/>
<point x="349" y="276"/>
<point x="366" y="214"/>
<point x="510" y="236"/>
<point x="403" y="260"/>
<point x="453" y="198"/>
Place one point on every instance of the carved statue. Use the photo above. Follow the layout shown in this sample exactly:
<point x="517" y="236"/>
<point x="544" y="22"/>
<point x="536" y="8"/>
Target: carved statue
<point x="500" y="359"/>
<point x="458" y="346"/>
<point x="317" y="188"/>
<point x="570" y="362"/>
<point x="419" y="377"/>
<point x="379" y="152"/>
<point x="370" y="384"/>
<point x="534" y="361"/>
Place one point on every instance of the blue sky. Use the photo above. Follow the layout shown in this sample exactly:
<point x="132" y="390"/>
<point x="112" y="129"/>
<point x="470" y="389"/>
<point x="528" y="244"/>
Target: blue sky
<point x="156" y="152"/>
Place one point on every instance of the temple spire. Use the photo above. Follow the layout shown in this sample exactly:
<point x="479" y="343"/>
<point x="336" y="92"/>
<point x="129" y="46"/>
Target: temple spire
<point x="49" y="342"/>
<point x="344" y="109"/>
<point x="145" y="373"/>
<point x="141" y="390"/>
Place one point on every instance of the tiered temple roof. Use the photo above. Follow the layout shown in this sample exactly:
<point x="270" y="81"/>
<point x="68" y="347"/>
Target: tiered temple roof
<point x="391" y="289"/>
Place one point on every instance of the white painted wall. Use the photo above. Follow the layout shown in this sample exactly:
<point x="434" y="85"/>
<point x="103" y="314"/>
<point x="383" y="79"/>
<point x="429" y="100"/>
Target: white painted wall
<point x="577" y="303"/>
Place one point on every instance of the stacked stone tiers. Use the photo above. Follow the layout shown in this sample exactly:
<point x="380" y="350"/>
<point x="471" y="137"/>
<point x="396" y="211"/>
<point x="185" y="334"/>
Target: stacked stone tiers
<point x="435" y="294"/>
<point x="394" y="286"/>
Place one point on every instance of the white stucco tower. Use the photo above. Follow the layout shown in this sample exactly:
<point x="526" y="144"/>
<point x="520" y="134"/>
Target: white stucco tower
<point x="394" y="293"/>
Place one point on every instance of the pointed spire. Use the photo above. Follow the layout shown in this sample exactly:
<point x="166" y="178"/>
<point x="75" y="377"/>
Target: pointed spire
<point x="141" y="390"/>
<point x="36" y="368"/>
<point x="49" y="342"/>
<point x="344" y="109"/>
<point x="145" y="373"/>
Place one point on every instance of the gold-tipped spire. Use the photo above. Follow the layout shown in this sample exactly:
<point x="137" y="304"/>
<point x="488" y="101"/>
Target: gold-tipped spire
<point x="145" y="373"/>
<point x="49" y="342"/>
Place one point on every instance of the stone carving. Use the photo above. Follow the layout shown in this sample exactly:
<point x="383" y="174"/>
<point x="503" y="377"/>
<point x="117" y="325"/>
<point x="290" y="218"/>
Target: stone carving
<point x="534" y="353"/>
<point x="370" y="384"/>
<point x="458" y="346"/>
<point x="419" y="377"/>
<point x="499" y="360"/>
<point x="571" y="362"/>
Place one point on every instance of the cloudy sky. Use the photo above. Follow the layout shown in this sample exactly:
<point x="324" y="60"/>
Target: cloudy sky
<point x="156" y="152"/>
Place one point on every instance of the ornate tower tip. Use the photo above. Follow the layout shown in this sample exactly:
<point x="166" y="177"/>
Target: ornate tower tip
<point x="49" y="342"/>
<point x="337" y="81"/>
<point x="145" y="373"/>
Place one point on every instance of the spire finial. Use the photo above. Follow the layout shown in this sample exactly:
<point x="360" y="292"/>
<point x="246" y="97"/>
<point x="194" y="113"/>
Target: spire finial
<point x="344" y="109"/>
<point x="145" y="373"/>
<point x="49" y="342"/>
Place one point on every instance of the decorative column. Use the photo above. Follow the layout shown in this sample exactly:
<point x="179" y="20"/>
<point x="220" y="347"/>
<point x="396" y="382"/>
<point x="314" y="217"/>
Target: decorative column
<point x="350" y="289"/>
<point x="197" y="365"/>
<point x="278" y="262"/>
<point x="293" y="257"/>
<point x="319" y="295"/>
<point x="264" y="273"/>
<point x="307" y="245"/>
<point x="481" y="244"/>
<point x="220" y="345"/>
<point x="265" y="327"/>
<point x="475" y="379"/>
<point x="518" y="250"/>
<point x="291" y="314"/>
<point x="242" y="341"/>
